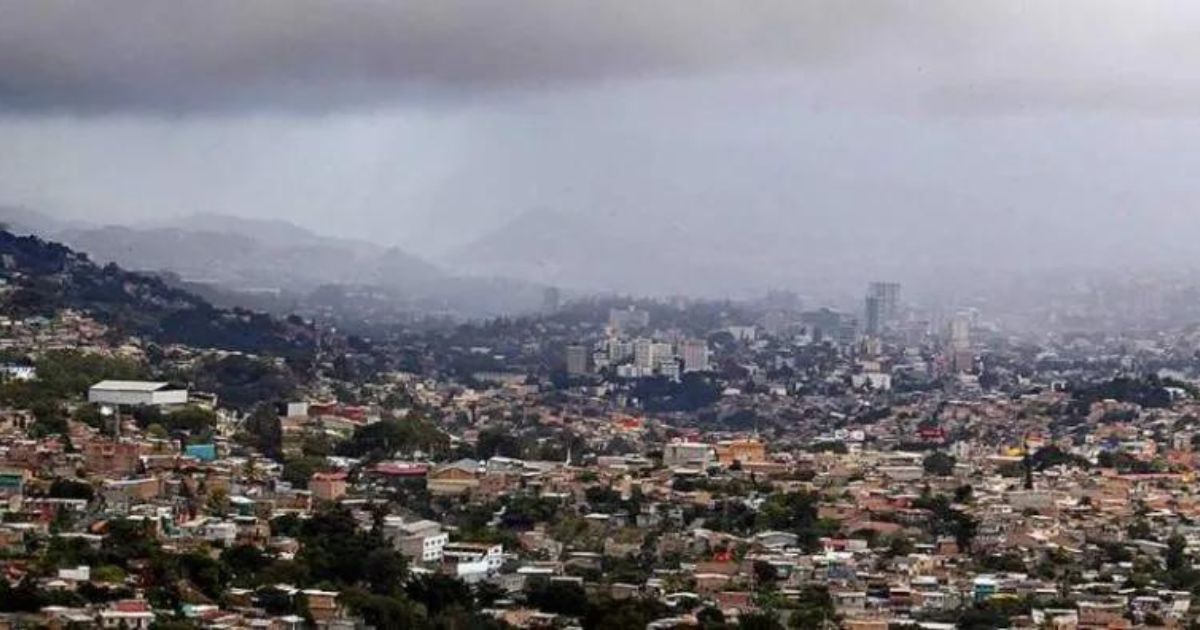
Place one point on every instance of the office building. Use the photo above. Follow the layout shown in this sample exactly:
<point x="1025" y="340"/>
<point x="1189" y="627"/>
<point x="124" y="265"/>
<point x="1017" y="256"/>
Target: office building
<point x="694" y="353"/>
<point x="882" y="307"/>
<point x="577" y="360"/>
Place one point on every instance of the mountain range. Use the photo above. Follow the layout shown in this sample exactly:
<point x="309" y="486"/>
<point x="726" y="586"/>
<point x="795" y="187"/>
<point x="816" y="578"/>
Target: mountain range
<point x="283" y="267"/>
<point x="279" y="265"/>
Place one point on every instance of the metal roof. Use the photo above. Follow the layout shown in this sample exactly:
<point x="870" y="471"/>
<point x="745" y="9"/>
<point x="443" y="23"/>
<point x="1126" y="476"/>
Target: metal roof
<point x="134" y="386"/>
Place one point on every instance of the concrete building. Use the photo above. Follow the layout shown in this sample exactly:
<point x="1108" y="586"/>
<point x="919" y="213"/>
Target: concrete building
<point x="882" y="307"/>
<point x="135" y="393"/>
<point x="422" y="541"/>
<point x="577" y="360"/>
<point x="328" y="486"/>
<point x="643" y="354"/>
<point x="689" y="454"/>
<point x="694" y="353"/>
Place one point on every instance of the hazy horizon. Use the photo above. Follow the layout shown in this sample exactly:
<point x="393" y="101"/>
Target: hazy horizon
<point x="776" y="141"/>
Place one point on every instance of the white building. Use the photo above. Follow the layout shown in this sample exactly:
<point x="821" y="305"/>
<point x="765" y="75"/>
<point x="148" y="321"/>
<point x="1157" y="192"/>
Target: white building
<point x="577" y="360"/>
<point x="695" y="355"/>
<point x="690" y="454"/>
<point x="878" y="381"/>
<point x="643" y="354"/>
<point x="474" y="561"/>
<point x="421" y="540"/>
<point x="19" y="372"/>
<point x="134" y="393"/>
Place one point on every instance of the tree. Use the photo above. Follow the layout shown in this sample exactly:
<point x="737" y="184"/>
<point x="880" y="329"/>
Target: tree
<point x="299" y="470"/>
<point x="710" y="618"/>
<point x="814" y="607"/>
<point x="438" y="592"/>
<point x="380" y="440"/>
<point x="243" y="562"/>
<point x="1176" y="560"/>
<point x="264" y="431"/>
<point x="382" y="611"/>
<point x="900" y="545"/>
<point x="191" y="420"/>
<point x="795" y="512"/>
<point x="764" y="620"/>
<point x="70" y="489"/>
<point x="940" y="464"/>
<point x="218" y="502"/>
<point x="562" y="598"/>
<point x="765" y="573"/>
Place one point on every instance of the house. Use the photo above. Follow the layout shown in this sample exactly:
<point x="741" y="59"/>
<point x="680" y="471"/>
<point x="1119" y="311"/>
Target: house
<point x="741" y="451"/>
<point x="453" y="479"/>
<point x="328" y="486"/>
<point x="689" y="455"/>
<point x="473" y="561"/>
<point x="322" y="605"/>
<point x="111" y="458"/>
<point x="423" y="540"/>
<point x="129" y="613"/>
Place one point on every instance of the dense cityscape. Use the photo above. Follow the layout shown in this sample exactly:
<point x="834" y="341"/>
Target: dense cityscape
<point x="601" y="463"/>
<point x="599" y="315"/>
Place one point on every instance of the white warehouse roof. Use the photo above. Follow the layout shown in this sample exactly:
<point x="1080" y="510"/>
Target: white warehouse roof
<point x="129" y="386"/>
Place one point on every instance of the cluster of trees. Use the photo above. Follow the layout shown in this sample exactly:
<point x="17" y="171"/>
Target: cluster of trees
<point x="537" y="443"/>
<point x="946" y="520"/>
<point x="693" y="392"/>
<point x="1127" y="463"/>
<point x="940" y="464"/>
<point x="382" y="439"/>
<point x="796" y="512"/>
<point x="1150" y="391"/>
<point x="241" y="382"/>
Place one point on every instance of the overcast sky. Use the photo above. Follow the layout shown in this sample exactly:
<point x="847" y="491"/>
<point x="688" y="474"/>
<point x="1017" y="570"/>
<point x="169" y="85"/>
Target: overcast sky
<point x="936" y="132"/>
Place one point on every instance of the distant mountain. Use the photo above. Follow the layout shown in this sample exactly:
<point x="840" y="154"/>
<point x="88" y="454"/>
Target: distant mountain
<point x="605" y="254"/>
<point x="235" y="253"/>
<point x="43" y="277"/>
<point x="275" y="264"/>
<point x="24" y="221"/>
<point x="271" y="232"/>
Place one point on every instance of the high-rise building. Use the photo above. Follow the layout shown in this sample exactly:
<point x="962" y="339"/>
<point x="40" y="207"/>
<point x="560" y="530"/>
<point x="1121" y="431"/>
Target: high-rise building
<point x="694" y="353"/>
<point x="960" y="332"/>
<point x="882" y="306"/>
<point x="551" y="299"/>
<point x="643" y="354"/>
<point x="619" y="350"/>
<point x="577" y="360"/>
<point x="874" y="316"/>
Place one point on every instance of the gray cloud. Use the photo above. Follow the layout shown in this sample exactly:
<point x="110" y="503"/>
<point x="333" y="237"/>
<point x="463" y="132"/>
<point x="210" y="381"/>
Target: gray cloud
<point x="81" y="56"/>
<point x="184" y="55"/>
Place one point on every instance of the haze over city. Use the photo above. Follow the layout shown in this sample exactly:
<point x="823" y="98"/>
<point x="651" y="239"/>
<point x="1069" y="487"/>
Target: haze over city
<point x="809" y="145"/>
<point x="599" y="314"/>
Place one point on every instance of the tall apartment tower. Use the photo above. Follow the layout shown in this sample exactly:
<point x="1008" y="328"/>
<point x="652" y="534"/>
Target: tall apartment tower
<point x="577" y="360"/>
<point x="694" y="353"/>
<point x="882" y="306"/>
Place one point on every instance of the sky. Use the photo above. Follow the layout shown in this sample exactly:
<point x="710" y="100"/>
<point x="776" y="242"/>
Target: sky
<point x="877" y="135"/>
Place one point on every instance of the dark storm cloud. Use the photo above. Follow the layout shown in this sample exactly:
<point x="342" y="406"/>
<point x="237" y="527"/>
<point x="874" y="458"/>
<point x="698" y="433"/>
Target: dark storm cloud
<point x="189" y="55"/>
<point x="978" y="56"/>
